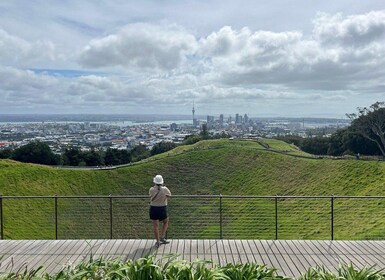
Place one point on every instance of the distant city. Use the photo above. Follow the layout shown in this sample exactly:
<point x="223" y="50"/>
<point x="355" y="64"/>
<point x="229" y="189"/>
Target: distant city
<point x="127" y="131"/>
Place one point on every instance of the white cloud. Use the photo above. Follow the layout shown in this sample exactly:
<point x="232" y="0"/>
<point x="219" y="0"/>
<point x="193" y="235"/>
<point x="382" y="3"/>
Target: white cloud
<point x="355" y="30"/>
<point x="17" y="51"/>
<point x="142" y="46"/>
<point x="292" y="60"/>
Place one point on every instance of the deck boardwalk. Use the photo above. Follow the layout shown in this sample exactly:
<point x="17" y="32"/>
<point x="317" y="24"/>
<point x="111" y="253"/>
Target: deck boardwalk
<point x="290" y="257"/>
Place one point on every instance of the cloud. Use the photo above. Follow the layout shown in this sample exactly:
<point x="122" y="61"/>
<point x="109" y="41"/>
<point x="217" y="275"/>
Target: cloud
<point x="355" y="30"/>
<point x="17" y="51"/>
<point x="142" y="46"/>
<point x="341" y="54"/>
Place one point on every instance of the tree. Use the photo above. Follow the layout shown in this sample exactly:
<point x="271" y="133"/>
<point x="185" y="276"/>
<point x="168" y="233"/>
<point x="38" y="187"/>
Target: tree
<point x="111" y="157"/>
<point x="116" y="157"/>
<point x="162" y="147"/>
<point x="6" y="153"/>
<point x="204" y="132"/>
<point x="139" y="152"/>
<point x="315" y="145"/>
<point x="92" y="158"/>
<point x="191" y="139"/>
<point x="36" y="152"/>
<point x="370" y="123"/>
<point x="73" y="156"/>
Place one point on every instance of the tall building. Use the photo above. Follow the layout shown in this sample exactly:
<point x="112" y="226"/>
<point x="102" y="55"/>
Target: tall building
<point x="245" y="119"/>
<point x="221" y="120"/>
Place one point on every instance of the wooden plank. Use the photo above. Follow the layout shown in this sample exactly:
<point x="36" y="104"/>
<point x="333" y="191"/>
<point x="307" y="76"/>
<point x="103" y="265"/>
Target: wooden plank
<point x="271" y="248"/>
<point x="313" y="259"/>
<point x="256" y="252"/>
<point x="243" y="255"/>
<point x="8" y="246"/>
<point x="320" y="258"/>
<point x="269" y="256"/>
<point x="252" y="255"/>
<point x="223" y="249"/>
<point x="201" y="250"/>
<point x="22" y="256"/>
<point x="299" y="258"/>
<point x="133" y="249"/>
<point x="18" y="250"/>
<point x="174" y="247"/>
<point x="59" y="257"/>
<point x="139" y="250"/>
<point x="362" y="253"/>
<point x="208" y="252"/>
<point x="215" y="251"/>
<point x="371" y="246"/>
<point x="328" y="249"/>
<point x="343" y="253"/>
<point x="39" y="257"/>
<point x="187" y="250"/>
<point x="194" y="250"/>
<point x="117" y="249"/>
<point x="285" y="259"/>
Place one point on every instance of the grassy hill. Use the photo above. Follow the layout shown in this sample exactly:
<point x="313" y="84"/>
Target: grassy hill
<point x="227" y="167"/>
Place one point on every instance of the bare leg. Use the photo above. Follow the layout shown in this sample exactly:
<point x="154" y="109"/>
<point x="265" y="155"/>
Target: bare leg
<point x="164" y="227"/>
<point x="155" y="226"/>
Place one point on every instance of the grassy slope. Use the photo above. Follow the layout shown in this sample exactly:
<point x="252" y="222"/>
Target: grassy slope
<point x="207" y="167"/>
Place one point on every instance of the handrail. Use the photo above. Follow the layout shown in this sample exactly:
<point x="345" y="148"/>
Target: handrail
<point x="215" y="217"/>
<point x="192" y="196"/>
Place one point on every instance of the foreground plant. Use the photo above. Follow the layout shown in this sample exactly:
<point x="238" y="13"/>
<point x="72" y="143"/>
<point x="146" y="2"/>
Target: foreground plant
<point x="171" y="268"/>
<point x="347" y="272"/>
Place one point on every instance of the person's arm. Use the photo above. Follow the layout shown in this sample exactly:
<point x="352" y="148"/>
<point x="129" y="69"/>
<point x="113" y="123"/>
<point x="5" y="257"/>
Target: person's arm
<point x="168" y="193"/>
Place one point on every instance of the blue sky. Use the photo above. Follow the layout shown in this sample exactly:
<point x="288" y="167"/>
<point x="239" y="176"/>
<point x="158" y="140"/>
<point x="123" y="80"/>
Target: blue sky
<point x="296" y="58"/>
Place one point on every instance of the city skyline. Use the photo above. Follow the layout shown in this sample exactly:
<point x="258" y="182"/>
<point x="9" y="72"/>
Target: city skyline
<point x="263" y="59"/>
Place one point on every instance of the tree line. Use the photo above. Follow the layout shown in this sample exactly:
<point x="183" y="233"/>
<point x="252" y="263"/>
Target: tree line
<point x="365" y="135"/>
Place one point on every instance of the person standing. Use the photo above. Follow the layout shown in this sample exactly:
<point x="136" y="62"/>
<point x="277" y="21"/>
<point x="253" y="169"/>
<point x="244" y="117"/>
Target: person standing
<point x="158" y="209"/>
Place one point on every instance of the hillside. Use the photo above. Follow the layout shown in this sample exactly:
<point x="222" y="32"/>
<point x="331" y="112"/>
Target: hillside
<point x="228" y="167"/>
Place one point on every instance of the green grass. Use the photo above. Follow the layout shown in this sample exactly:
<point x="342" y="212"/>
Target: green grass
<point x="228" y="167"/>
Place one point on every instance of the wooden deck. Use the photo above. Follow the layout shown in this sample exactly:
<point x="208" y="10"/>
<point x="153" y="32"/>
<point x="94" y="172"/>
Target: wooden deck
<point x="290" y="257"/>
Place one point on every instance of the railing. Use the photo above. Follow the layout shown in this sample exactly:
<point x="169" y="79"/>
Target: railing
<point x="194" y="216"/>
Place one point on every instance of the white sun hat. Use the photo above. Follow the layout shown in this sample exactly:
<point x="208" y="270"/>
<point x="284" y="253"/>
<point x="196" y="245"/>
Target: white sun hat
<point x="158" y="179"/>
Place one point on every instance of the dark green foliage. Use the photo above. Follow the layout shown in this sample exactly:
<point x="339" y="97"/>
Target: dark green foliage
<point x="116" y="157"/>
<point x="72" y="157"/>
<point x="139" y="152"/>
<point x="192" y="139"/>
<point x="6" y="153"/>
<point x="35" y="152"/>
<point x="204" y="132"/>
<point x="315" y="146"/>
<point x="92" y="158"/>
<point x="162" y="147"/>
<point x="370" y="123"/>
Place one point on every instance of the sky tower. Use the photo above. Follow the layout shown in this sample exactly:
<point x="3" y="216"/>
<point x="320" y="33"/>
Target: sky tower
<point x="193" y="112"/>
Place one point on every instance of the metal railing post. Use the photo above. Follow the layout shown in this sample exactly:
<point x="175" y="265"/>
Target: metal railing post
<point x="1" y="217"/>
<point x="110" y="217"/>
<point x="220" y="217"/>
<point x="332" y="217"/>
<point x="276" y="217"/>
<point x="56" y="226"/>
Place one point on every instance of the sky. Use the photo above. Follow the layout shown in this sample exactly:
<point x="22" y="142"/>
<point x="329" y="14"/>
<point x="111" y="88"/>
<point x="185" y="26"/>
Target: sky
<point x="292" y="58"/>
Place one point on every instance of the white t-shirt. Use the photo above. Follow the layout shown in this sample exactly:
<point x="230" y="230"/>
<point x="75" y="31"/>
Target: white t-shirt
<point x="161" y="197"/>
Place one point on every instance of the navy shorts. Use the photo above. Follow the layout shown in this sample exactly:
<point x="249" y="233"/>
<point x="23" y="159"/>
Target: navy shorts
<point x="158" y="213"/>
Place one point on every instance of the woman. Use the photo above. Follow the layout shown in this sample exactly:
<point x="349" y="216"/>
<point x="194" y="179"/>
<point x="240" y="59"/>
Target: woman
<point x="158" y="209"/>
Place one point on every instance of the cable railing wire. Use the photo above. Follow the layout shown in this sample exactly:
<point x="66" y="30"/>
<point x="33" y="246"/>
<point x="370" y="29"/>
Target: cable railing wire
<point x="194" y="217"/>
